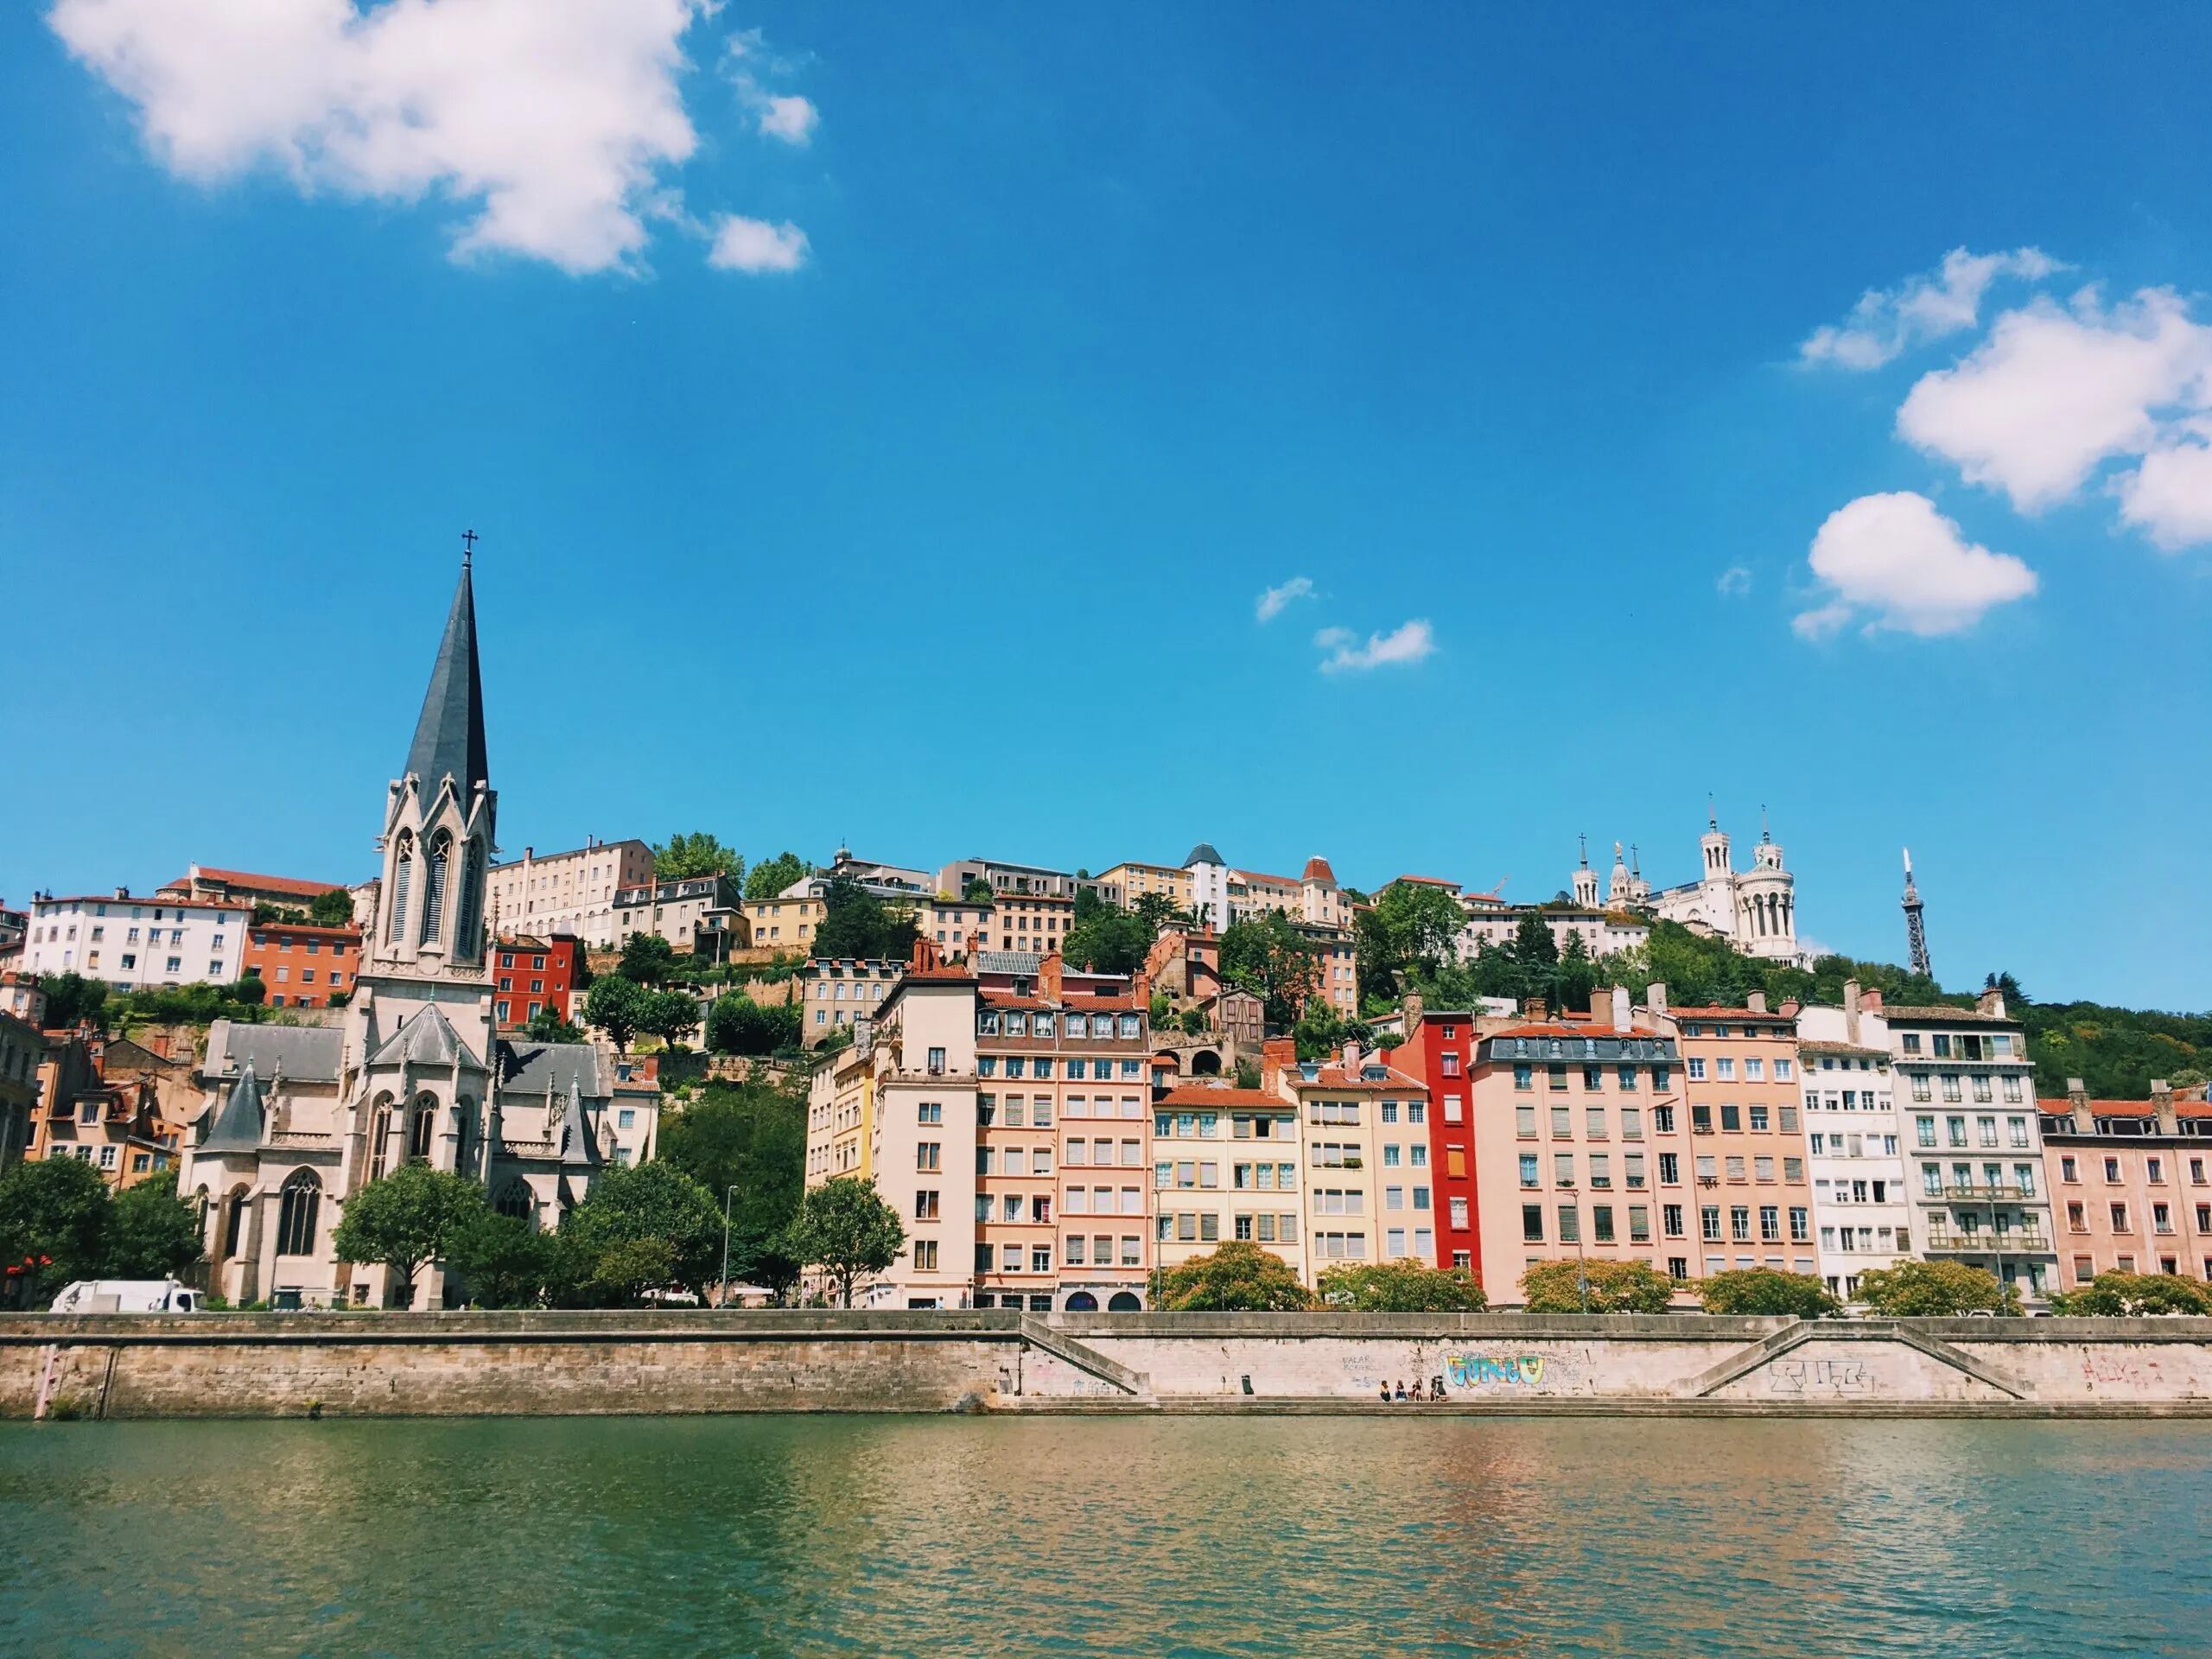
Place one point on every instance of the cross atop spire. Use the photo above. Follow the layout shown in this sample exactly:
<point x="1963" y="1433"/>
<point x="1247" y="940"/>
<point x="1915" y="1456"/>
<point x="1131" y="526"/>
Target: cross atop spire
<point x="1584" y="838"/>
<point x="467" y="547"/>
<point x="1711" y="814"/>
<point x="449" y="734"/>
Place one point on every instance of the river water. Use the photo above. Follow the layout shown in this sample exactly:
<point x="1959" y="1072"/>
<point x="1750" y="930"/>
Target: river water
<point x="1311" y="1536"/>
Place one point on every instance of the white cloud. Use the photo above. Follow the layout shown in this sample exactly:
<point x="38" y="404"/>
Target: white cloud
<point x="553" y="122"/>
<point x="790" y="119"/>
<point x="753" y="245"/>
<point x="1887" y="321"/>
<point x="1275" y="600"/>
<point x="1735" y="581"/>
<point x="2053" y="393"/>
<point x="2169" y="497"/>
<point x="1411" y="642"/>
<point x="1896" y="558"/>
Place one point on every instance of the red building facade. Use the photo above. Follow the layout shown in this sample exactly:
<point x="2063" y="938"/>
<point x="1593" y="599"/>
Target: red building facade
<point x="302" y="966"/>
<point x="1439" y="1049"/>
<point x="530" y="974"/>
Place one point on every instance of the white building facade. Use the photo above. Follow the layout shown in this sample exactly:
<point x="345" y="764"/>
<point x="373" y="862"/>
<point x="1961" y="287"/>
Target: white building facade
<point x="134" y="942"/>
<point x="1862" y="1207"/>
<point x="571" y="893"/>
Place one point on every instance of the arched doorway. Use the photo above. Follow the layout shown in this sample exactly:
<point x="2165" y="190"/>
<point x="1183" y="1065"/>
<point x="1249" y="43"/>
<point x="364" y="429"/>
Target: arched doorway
<point x="1206" y="1063"/>
<point x="1083" y="1302"/>
<point x="1124" y="1301"/>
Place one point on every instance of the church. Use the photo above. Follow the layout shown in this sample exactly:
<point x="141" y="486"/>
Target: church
<point x="1755" y="910"/>
<point x="297" y="1118"/>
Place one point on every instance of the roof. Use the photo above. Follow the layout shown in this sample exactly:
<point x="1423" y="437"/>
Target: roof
<point x="578" y="1149"/>
<point x="1843" y="1050"/>
<point x="426" y="1037"/>
<point x="1555" y="1029"/>
<point x="305" y="930"/>
<point x="1427" y="881"/>
<point x="1021" y="962"/>
<point x="1199" y="1094"/>
<point x="1921" y="1013"/>
<point x="449" y="732"/>
<point x="1752" y="1016"/>
<point x="533" y="1068"/>
<point x="237" y="1121"/>
<point x="1317" y="870"/>
<point x="297" y="1053"/>
<point x="1337" y="1077"/>
<point x="258" y="883"/>
<point x="2129" y="1107"/>
<point x="1204" y="853"/>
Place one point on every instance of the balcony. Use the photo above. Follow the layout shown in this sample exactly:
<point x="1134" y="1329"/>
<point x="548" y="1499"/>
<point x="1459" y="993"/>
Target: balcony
<point x="1980" y="1243"/>
<point x="1983" y="1193"/>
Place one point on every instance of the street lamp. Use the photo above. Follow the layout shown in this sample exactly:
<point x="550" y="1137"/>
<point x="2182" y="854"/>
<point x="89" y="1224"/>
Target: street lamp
<point x="721" y="1294"/>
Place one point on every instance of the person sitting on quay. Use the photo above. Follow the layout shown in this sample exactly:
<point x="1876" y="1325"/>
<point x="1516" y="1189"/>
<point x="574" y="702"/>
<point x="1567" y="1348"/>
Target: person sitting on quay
<point x="1401" y="1388"/>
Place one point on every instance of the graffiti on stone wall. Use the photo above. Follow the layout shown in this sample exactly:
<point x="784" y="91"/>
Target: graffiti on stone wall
<point x="1818" y="1377"/>
<point x="1475" y="1370"/>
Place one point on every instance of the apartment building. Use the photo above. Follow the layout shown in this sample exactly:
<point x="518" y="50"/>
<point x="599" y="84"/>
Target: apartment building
<point x="840" y="1113"/>
<point x="115" y="1124"/>
<point x="531" y="974"/>
<point x="1135" y="881"/>
<point x="2131" y="1181"/>
<point x="22" y="996"/>
<point x="570" y="893"/>
<point x="1976" y="1149"/>
<point x="243" y="889"/>
<point x="302" y="967"/>
<point x="785" y="922"/>
<point x="1582" y="1149"/>
<point x="835" y="994"/>
<point x="1369" y="1195"/>
<point x="699" y="913"/>
<point x="134" y="942"/>
<point x="22" y="1051"/>
<point x="1225" y="1167"/>
<point x="1006" y="879"/>
<point x="1862" y="1203"/>
<point x="1438" y="1047"/>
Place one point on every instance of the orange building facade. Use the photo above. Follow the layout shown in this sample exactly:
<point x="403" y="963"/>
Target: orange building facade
<point x="302" y="966"/>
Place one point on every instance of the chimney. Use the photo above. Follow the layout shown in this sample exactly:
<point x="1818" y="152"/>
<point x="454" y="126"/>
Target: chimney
<point x="1870" y="1001"/>
<point x="1792" y="1008"/>
<point x="528" y="853"/>
<point x="1654" y="996"/>
<point x="1411" y="1006"/>
<point x="1351" y="1054"/>
<point x="2162" y="1099"/>
<point x="122" y="892"/>
<point x="1619" y="1009"/>
<point x="2077" y="1098"/>
<point x="1536" y="1008"/>
<point x="1276" y="1052"/>
<point x="1991" y="1001"/>
<point x="1756" y="1002"/>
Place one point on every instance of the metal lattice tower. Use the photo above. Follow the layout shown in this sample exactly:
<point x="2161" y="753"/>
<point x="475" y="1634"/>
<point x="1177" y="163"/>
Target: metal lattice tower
<point x="1915" y="932"/>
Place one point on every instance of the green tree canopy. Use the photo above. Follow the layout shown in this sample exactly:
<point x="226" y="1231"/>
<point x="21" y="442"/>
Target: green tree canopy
<point x="649" y="1201"/>
<point x="857" y="924"/>
<point x="1237" y="1278"/>
<point x="250" y="988"/>
<point x="1104" y="938"/>
<point x="698" y="853"/>
<point x="977" y="890"/>
<point x="646" y="959"/>
<point x="152" y="1233"/>
<point x="771" y="875"/>
<point x="845" y="1228"/>
<point x="1401" y="1288"/>
<point x="72" y="1000"/>
<point x="503" y="1261"/>
<point x="1768" y="1290"/>
<point x="1934" y="1290"/>
<point x="746" y="1143"/>
<point x="2132" y="1295"/>
<point x="617" y="1005"/>
<point x="737" y="1025"/>
<point x="670" y="1016"/>
<point x="333" y="908"/>
<point x="548" y="1025"/>
<point x="404" y="1220"/>
<point x="1596" y="1288"/>
<point x="53" y="1217"/>
<point x="1411" y="932"/>
<point x="1269" y="956"/>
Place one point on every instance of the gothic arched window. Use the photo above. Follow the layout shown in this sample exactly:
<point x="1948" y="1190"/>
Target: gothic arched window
<point x="380" y="1136"/>
<point x="424" y="1128"/>
<point x="434" y="890"/>
<point x="234" y="1222"/>
<point x="516" y="1199"/>
<point x="471" y="884"/>
<point x="295" y="1214"/>
<point x="403" y="878"/>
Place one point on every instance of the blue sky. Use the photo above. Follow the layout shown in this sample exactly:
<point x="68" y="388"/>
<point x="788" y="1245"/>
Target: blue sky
<point x="883" y="422"/>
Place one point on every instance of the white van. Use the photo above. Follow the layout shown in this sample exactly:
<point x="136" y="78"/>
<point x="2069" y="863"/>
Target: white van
<point x="127" y="1296"/>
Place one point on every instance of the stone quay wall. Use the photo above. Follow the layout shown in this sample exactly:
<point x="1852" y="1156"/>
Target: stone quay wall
<point x="567" y="1363"/>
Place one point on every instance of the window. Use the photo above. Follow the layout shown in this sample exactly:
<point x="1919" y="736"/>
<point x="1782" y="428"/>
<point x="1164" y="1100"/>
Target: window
<point x="1532" y="1224"/>
<point x="1529" y="1175"/>
<point x="925" y="1204"/>
<point x="925" y="1255"/>
<point x="296" y="1211"/>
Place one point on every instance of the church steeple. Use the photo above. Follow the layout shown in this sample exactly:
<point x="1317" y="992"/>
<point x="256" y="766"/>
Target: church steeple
<point x="449" y="735"/>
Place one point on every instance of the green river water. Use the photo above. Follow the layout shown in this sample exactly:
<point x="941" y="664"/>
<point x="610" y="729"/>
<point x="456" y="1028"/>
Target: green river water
<point x="902" y="1536"/>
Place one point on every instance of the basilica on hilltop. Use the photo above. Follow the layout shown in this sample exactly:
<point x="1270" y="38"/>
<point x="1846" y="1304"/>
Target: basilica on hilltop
<point x="1755" y="910"/>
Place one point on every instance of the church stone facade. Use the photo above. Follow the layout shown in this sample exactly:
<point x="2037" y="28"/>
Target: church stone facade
<point x="297" y="1119"/>
<point x="1755" y="910"/>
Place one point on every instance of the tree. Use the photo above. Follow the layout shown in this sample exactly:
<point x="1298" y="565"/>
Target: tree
<point x="655" y="1201"/>
<point x="1160" y="1010"/>
<point x="1934" y="1290"/>
<point x="745" y="1143"/>
<point x="771" y="876"/>
<point x="1156" y="911"/>
<point x="846" y="1229"/>
<point x="1768" y="1290"/>
<point x="737" y="1025"/>
<point x="503" y="1261"/>
<point x="1236" y="1278"/>
<point x="628" y="1268"/>
<point x="333" y="908"/>
<point x="152" y="1233"/>
<point x="670" y="1016"/>
<point x="1105" y="939"/>
<point x="856" y="923"/>
<point x="1269" y="957"/>
<point x="548" y="1025"/>
<point x="647" y="959"/>
<point x="616" y="1005"/>
<point x="405" y="1219"/>
<point x="1413" y="928"/>
<point x="697" y="854"/>
<point x="1401" y="1288"/>
<point x="53" y="1215"/>
<point x="250" y="990"/>
<point x="1596" y="1288"/>
<point x="73" y="1001"/>
<point x="2133" y="1295"/>
<point x="2009" y="988"/>
<point x="977" y="890"/>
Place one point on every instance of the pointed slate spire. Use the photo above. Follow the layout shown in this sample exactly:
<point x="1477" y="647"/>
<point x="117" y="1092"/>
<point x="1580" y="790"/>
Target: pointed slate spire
<point x="449" y="736"/>
<point x="578" y="1149"/>
<point x="237" y="1121"/>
